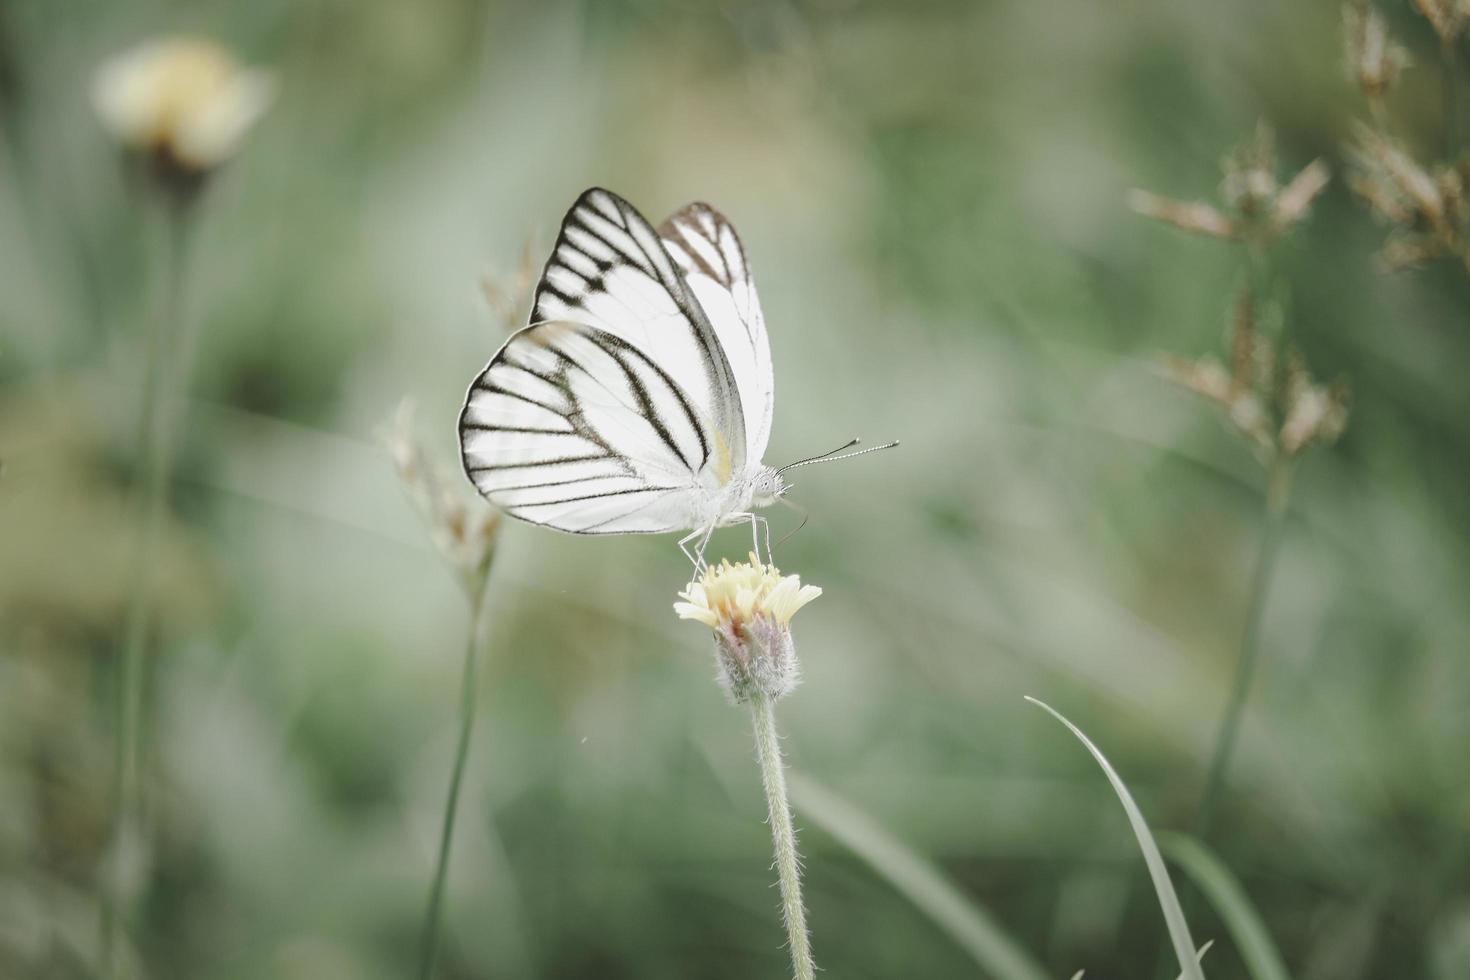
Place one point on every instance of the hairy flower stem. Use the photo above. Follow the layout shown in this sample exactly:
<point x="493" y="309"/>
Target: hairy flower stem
<point x="1277" y="492"/>
<point x="156" y="438"/>
<point x="788" y="863"/>
<point x="468" y="697"/>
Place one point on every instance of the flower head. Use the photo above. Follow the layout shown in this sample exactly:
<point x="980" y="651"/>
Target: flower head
<point x="749" y="605"/>
<point x="184" y="103"/>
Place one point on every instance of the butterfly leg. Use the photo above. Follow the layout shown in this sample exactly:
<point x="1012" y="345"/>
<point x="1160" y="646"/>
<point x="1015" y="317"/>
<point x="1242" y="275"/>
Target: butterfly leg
<point x="760" y="527"/>
<point x="704" y="543"/>
<point x="683" y="546"/>
<point x="696" y="557"/>
<point x="757" y="525"/>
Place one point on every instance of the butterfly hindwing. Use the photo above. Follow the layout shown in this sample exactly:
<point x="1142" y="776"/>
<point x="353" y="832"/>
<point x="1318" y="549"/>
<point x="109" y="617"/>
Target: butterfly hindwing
<point x="573" y="427"/>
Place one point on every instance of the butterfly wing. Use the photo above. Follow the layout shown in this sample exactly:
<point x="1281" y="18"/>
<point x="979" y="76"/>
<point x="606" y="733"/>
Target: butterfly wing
<point x="703" y="243"/>
<point x="573" y="427"/>
<point x="610" y="270"/>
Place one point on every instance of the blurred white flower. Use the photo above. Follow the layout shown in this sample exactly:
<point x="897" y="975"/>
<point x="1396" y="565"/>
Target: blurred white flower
<point x="185" y="102"/>
<point x="749" y="606"/>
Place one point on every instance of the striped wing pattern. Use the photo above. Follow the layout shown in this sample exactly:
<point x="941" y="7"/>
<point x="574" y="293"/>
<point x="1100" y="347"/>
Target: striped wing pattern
<point x="642" y="385"/>
<point x="708" y="252"/>
<point x="610" y="270"/>
<point x="573" y="427"/>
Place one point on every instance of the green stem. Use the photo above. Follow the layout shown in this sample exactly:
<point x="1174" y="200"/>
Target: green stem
<point x="1258" y="270"/>
<point x="1451" y="102"/>
<point x="1277" y="491"/>
<point x="468" y="691"/>
<point x="156" y="437"/>
<point x="788" y="863"/>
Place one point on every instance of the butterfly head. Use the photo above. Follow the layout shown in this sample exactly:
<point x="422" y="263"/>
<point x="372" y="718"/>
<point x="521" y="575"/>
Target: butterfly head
<point x="767" y="487"/>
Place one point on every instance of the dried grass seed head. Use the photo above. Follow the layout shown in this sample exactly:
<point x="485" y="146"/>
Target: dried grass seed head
<point x="1257" y="207"/>
<point x="1427" y="207"/>
<point x="1374" y="59"/>
<point x="1295" y="199"/>
<point x="464" y="532"/>
<point x="1447" y="17"/>
<point x="1314" y="414"/>
<point x="509" y="294"/>
<point x="1268" y="397"/>
<point x="1195" y="217"/>
<point x="1249" y="183"/>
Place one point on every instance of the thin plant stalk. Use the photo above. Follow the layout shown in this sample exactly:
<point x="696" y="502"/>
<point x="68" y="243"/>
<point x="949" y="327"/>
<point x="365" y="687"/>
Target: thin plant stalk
<point x="1451" y="101"/>
<point x="1277" y="493"/>
<point x="156" y="441"/>
<point x="468" y="699"/>
<point x="788" y="862"/>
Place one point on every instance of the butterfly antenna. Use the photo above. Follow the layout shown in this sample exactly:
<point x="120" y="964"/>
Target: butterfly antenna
<point x="828" y="457"/>
<point x="812" y="459"/>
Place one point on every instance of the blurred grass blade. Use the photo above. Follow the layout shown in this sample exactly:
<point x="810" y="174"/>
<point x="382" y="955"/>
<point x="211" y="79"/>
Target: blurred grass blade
<point x="1168" y="900"/>
<point x="1199" y="955"/>
<point x="967" y="923"/>
<point x="1225" y="894"/>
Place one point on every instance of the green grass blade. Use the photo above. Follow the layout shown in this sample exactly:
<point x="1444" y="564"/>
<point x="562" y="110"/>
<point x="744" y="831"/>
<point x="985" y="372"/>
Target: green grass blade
<point x="966" y="922"/>
<point x="1199" y="956"/>
<point x="1224" y="892"/>
<point x="1168" y="900"/>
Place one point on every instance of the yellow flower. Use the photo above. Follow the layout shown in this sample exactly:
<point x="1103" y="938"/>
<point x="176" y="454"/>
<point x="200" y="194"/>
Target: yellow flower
<point x="730" y="594"/>
<point x="749" y="605"/>
<point x="186" y="102"/>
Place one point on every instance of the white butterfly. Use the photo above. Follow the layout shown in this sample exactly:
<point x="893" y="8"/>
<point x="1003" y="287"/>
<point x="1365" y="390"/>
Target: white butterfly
<point x="639" y="399"/>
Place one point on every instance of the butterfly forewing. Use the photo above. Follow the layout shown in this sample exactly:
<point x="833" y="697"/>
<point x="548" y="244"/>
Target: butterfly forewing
<point x="610" y="270"/>
<point x="709" y="253"/>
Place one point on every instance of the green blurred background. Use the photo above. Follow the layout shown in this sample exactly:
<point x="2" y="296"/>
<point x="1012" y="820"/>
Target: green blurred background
<point x="931" y="195"/>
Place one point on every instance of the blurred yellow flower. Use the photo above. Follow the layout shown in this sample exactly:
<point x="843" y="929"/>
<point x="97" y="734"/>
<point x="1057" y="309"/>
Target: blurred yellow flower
<point x="184" y="101"/>
<point x="749" y="606"/>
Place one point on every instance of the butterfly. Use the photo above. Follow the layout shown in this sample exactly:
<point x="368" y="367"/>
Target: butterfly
<point x="639" y="399"/>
